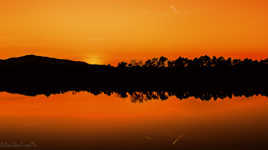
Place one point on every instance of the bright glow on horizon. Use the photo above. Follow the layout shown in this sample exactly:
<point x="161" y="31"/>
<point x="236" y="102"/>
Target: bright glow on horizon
<point x="94" y="60"/>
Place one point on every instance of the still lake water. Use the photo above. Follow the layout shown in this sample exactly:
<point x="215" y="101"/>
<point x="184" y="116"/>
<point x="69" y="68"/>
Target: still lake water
<point x="84" y="121"/>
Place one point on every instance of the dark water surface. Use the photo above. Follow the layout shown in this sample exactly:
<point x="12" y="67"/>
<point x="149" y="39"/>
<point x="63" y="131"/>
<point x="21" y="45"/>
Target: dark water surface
<point x="84" y="121"/>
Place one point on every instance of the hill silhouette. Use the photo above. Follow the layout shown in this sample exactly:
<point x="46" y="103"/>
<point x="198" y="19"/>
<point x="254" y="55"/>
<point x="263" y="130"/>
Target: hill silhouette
<point x="210" y="72"/>
<point x="34" y="63"/>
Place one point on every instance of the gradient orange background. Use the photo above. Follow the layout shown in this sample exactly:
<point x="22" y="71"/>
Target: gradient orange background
<point x="107" y="31"/>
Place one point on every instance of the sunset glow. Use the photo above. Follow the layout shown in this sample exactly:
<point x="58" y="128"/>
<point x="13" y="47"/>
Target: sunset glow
<point x="134" y="29"/>
<point x="134" y="74"/>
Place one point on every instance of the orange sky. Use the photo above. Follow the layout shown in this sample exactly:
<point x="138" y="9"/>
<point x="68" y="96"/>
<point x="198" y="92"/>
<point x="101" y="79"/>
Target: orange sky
<point x="106" y="31"/>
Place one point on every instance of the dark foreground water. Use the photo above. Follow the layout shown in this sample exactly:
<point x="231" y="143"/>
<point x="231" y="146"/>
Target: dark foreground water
<point x="83" y="121"/>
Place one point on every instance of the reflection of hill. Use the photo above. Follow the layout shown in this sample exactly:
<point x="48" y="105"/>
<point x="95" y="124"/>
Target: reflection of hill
<point x="146" y="94"/>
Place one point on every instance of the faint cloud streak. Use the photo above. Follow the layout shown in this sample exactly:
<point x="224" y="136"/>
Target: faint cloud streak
<point x="174" y="9"/>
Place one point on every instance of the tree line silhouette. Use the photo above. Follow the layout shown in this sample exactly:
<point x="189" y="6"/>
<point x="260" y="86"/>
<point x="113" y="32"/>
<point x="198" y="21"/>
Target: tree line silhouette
<point x="203" y="63"/>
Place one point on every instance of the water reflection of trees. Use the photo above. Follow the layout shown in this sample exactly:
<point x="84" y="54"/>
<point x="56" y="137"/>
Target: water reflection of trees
<point x="147" y="94"/>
